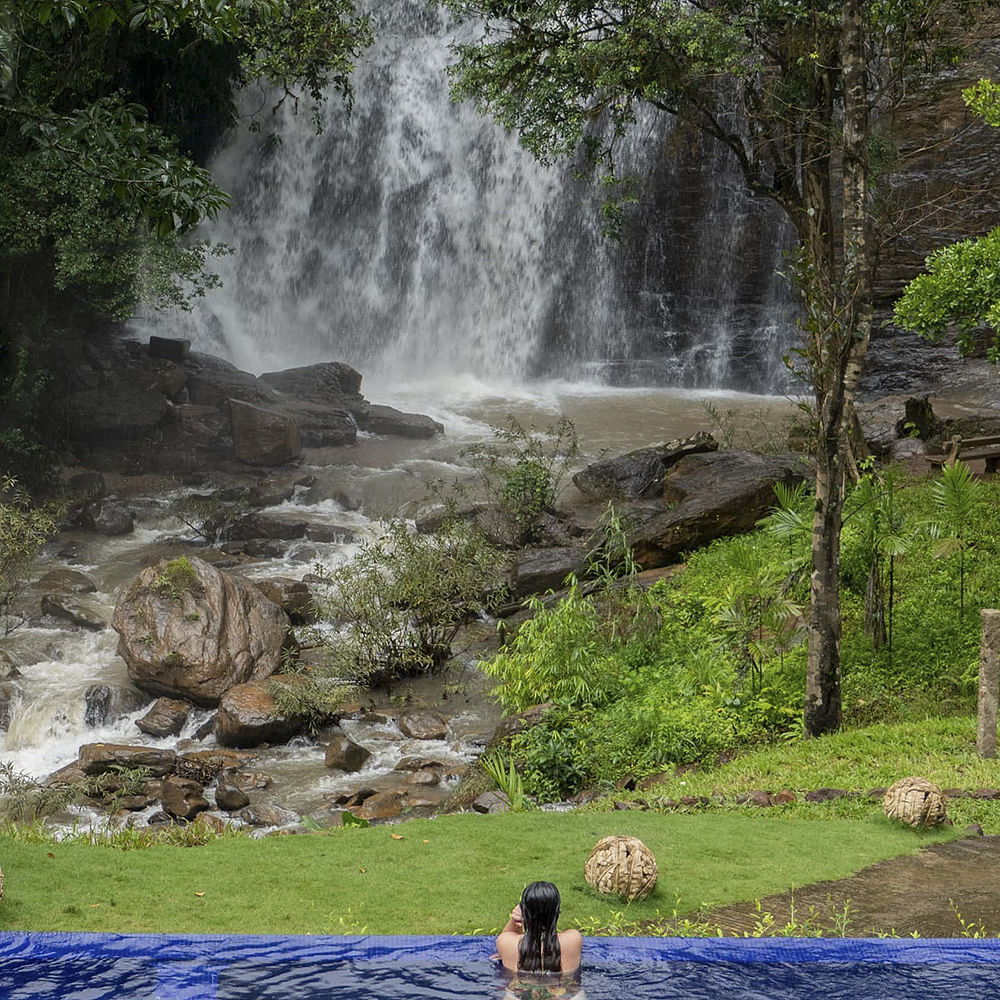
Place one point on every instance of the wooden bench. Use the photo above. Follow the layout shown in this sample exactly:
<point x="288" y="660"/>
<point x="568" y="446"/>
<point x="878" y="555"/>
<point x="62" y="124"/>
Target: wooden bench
<point x="969" y="449"/>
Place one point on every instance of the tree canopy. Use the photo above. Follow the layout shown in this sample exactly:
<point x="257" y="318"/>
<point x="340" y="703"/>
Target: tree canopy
<point x="98" y="179"/>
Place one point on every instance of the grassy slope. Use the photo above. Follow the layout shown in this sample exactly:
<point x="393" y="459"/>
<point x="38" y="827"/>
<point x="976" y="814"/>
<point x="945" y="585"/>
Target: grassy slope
<point x="456" y="874"/>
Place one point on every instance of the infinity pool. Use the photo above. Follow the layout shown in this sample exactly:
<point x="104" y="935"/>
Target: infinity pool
<point x="154" y="967"/>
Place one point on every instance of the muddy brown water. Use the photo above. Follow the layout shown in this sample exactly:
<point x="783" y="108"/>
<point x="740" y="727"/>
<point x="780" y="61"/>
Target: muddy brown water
<point x="945" y="890"/>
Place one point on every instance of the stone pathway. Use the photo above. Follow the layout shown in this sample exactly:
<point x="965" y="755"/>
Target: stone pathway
<point x="926" y="893"/>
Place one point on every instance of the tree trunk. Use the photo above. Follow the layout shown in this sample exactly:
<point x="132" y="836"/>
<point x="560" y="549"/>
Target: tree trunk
<point x="838" y="358"/>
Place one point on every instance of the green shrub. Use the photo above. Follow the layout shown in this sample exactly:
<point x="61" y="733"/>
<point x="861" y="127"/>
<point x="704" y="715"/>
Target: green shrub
<point x="396" y="608"/>
<point x="571" y="653"/>
<point x="522" y="471"/>
<point x="25" y="526"/>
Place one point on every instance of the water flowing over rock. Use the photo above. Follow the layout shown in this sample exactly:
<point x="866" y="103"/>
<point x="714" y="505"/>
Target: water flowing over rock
<point x="343" y="754"/>
<point x="66" y="581"/>
<point x="475" y="257"/>
<point x="107" y="517"/>
<point x="166" y="717"/>
<point x="106" y="703"/>
<point x="191" y="631"/>
<point x="74" y="609"/>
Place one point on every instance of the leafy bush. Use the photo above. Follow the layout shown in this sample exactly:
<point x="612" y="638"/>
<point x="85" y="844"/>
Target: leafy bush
<point x="24" y="528"/>
<point x="396" y="608"/>
<point x="522" y="471"/>
<point x="573" y="653"/>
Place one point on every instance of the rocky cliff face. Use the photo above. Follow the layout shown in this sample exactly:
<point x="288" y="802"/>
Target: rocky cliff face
<point x="943" y="186"/>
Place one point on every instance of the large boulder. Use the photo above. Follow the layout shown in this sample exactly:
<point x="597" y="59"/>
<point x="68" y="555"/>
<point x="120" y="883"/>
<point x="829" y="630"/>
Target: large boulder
<point x="263" y="436"/>
<point x="536" y="570"/>
<point x="249" y="715"/>
<point x="708" y="496"/>
<point x="386" y="420"/>
<point x="99" y="758"/>
<point x="343" y="754"/>
<point x="188" y="630"/>
<point x="639" y="474"/>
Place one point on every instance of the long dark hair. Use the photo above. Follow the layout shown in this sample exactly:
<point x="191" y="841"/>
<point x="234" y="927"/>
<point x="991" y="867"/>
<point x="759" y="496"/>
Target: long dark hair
<point x="538" y="950"/>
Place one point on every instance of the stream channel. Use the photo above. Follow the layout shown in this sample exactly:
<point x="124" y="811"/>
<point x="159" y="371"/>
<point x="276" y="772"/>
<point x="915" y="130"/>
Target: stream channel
<point x="386" y="478"/>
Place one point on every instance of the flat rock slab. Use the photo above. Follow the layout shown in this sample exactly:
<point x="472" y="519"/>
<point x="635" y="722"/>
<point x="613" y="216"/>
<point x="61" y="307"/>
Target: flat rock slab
<point x="902" y="895"/>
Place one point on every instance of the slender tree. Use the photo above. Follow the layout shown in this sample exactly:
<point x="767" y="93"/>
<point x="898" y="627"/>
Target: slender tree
<point x="809" y="84"/>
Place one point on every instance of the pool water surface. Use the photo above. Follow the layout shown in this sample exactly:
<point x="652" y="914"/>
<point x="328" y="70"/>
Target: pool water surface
<point x="163" y="967"/>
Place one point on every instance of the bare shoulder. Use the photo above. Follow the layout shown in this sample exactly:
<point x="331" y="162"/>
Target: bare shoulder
<point x="571" y="946"/>
<point x="507" y="942"/>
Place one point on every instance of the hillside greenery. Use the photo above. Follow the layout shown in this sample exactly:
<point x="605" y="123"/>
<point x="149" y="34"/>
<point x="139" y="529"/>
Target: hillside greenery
<point x="709" y="662"/>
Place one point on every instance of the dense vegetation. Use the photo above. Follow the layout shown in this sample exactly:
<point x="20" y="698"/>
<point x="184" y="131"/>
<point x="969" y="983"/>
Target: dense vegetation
<point x="710" y="661"/>
<point x="108" y="108"/>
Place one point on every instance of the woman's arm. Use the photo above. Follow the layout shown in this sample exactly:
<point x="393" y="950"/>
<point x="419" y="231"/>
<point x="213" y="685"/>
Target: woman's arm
<point x="508" y="939"/>
<point x="515" y="925"/>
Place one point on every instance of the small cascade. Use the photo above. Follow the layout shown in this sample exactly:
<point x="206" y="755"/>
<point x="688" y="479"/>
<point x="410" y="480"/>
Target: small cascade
<point x="417" y="237"/>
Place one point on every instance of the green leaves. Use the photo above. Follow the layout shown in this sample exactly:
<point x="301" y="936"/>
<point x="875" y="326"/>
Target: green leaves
<point x="961" y="287"/>
<point x="96" y="194"/>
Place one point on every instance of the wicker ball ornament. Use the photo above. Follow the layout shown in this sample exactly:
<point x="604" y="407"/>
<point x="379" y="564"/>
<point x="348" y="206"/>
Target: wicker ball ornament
<point x="915" y="801"/>
<point x="621" y="866"/>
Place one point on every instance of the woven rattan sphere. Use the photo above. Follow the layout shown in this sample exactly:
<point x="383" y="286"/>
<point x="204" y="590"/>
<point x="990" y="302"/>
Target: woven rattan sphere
<point x="914" y="801"/>
<point x="621" y="866"/>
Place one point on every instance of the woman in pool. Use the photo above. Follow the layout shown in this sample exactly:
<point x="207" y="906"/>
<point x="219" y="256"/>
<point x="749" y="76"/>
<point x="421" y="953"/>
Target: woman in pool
<point x="530" y="941"/>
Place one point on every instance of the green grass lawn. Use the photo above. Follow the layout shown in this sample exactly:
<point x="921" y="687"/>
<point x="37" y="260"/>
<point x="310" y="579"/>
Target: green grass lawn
<point x="456" y="874"/>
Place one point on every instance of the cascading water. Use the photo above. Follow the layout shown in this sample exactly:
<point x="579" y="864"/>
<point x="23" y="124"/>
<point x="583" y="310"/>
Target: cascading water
<point x="417" y="237"/>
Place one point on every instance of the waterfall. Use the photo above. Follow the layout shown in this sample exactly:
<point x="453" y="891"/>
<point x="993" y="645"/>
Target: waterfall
<point x="416" y="236"/>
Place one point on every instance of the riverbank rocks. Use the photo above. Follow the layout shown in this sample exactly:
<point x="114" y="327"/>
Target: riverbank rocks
<point x="78" y="611"/>
<point x="66" y="581"/>
<point x="639" y="474"/>
<point x="707" y="496"/>
<point x="381" y="805"/>
<point x="249" y="715"/>
<point x="230" y="797"/>
<point x="99" y="758"/>
<point x="386" y="420"/>
<point x="187" y="630"/>
<point x="621" y="866"/>
<point x="109" y="517"/>
<point x="424" y="724"/>
<point x="343" y="754"/>
<point x="536" y="570"/>
<point x="166" y="717"/>
<point x="263" y="436"/>
<point x="182" y="798"/>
